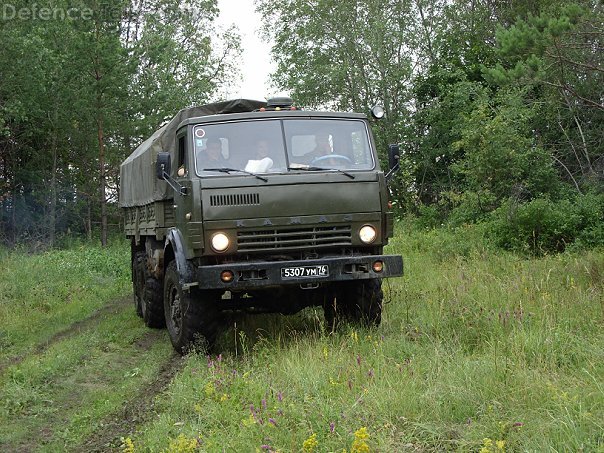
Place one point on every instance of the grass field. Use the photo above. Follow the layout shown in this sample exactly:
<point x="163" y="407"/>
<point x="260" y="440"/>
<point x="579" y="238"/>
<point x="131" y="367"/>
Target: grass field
<point x="479" y="350"/>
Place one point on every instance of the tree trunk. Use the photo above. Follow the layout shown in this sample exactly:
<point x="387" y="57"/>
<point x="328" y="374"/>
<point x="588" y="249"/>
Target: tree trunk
<point x="53" y="182"/>
<point x="103" y="194"/>
<point x="89" y="220"/>
<point x="14" y="217"/>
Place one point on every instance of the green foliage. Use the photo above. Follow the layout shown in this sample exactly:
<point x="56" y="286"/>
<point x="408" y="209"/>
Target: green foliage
<point x="557" y="53"/>
<point x="470" y="207"/>
<point x="501" y="155"/>
<point x="543" y="225"/>
<point x="436" y="130"/>
<point x="78" y="95"/>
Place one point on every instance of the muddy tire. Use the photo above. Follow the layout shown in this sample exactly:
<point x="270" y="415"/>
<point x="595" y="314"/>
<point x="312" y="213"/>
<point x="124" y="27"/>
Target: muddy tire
<point x="192" y="317"/>
<point x="358" y="302"/>
<point x="364" y="300"/>
<point x="138" y="282"/>
<point x="153" y="304"/>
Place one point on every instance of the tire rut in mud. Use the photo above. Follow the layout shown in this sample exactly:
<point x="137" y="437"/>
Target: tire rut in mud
<point x="134" y="412"/>
<point x="75" y="328"/>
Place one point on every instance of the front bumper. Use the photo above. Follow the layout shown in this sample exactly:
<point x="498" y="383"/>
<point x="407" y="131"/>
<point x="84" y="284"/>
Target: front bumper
<point x="264" y="274"/>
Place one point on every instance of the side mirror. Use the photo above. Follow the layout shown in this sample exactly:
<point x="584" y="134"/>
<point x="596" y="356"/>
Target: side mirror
<point x="164" y="163"/>
<point x="394" y="156"/>
<point x="377" y="111"/>
<point x="394" y="160"/>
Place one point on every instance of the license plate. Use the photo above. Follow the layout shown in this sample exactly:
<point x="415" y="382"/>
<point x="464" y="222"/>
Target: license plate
<point x="321" y="270"/>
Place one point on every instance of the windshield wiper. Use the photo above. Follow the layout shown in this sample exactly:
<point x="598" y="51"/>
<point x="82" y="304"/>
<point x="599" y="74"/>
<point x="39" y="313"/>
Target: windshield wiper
<point x="229" y="170"/>
<point x="313" y="168"/>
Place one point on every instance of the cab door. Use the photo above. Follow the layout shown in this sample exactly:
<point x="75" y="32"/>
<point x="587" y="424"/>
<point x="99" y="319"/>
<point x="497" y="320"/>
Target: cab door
<point x="183" y="203"/>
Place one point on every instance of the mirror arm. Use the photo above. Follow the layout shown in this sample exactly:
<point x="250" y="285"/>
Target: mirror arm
<point x="172" y="182"/>
<point x="392" y="171"/>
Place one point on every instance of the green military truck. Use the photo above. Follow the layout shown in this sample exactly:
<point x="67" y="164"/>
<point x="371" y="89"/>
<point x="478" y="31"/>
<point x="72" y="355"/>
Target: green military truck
<point x="262" y="207"/>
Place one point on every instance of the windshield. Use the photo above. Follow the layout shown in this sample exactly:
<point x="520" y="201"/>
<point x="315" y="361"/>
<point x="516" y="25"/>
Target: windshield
<point x="274" y="146"/>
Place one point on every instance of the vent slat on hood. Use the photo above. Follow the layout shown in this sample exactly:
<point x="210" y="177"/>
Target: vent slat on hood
<point x="235" y="199"/>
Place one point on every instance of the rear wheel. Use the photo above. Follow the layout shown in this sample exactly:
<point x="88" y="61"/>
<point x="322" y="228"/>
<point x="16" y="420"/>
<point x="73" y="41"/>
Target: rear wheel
<point x="138" y="281"/>
<point x="190" y="315"/>
<point x="153" y="304"/>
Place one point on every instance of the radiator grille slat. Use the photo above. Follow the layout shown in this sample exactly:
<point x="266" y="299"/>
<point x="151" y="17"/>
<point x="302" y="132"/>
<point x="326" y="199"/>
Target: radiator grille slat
<point x="299" y="238"/>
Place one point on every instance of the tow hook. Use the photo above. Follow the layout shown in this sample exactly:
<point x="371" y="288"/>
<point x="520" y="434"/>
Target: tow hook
<point x="309" y="285"/>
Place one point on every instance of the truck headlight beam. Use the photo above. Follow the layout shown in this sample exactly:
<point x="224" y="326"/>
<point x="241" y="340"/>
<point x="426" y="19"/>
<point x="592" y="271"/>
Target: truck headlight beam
<point x="220" y="242"/>
<point x="367" y="234"/>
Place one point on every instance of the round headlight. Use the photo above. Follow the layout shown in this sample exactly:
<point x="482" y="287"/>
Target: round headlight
<point x="220" y="242"/>
<point x="367" y="234"/>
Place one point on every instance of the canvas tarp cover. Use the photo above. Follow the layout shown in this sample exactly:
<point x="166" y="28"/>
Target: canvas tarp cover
<point x="138" y="182"/>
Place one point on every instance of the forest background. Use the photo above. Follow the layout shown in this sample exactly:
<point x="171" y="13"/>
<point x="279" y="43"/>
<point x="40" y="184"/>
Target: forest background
<point x="498" y="106"/>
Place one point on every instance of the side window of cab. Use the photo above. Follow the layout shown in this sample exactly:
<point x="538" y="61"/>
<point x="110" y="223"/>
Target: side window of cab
<point x="181" y="156"/>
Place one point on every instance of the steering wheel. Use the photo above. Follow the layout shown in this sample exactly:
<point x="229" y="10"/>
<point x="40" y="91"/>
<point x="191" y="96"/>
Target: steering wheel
<point x="338" y="157"/>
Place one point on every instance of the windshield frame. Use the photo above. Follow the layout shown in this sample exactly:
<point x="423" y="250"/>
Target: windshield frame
<point x="371" y="151"/>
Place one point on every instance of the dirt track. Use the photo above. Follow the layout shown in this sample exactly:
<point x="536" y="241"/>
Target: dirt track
<point x="75" y="328"/>
<point x="135" y="411"/>
<point x="107" y="360"/>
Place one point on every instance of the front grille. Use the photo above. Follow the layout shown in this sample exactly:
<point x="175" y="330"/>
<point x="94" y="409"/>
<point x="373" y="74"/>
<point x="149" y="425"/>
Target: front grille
<point x="293" y="239"/>
<point x="235" y="199"/>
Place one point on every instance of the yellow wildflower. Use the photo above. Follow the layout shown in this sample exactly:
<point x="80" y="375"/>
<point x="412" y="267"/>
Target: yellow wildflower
<point x="209" y="389"/>
<point x="182" y="444"/>
<point x="486" y="445"/>
<point x="127" y="445"/>
<point x="310" y="444"/>
<point x="248" y="421"/>
<point x="359" y="445"/>
<point x="325" y="352"/>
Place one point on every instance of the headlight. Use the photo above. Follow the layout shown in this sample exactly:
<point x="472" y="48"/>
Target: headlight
<point x="367" y="234"/>
<point x="220" y="242"/>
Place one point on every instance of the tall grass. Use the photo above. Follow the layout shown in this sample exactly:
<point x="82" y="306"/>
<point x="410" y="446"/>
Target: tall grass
<point x="40" y="294"/>
<point x="479" y="349"/>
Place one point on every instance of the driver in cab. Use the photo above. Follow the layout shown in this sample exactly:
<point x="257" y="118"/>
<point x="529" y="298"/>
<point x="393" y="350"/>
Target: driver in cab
<point x="322" y="149"/>
<point x="323" y="155"/>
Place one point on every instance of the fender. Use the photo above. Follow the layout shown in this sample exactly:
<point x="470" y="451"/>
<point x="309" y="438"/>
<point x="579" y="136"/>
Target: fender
<point x="174" y="240"/>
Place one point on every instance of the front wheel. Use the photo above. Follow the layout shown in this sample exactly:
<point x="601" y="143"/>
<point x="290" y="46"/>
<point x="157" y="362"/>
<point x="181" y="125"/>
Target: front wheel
<point x="364" y="300"/>
<point x="358" y="302"/>
<point x="190" y="315"/>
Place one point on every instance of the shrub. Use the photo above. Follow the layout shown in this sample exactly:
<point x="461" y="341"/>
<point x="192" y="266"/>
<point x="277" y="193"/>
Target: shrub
<point x="430" y="216"/>
<point x="472" y="207"/>
<point x="542" y="225"/>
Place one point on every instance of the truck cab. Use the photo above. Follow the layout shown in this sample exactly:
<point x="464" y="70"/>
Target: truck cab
<point x="264" y="208"/>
